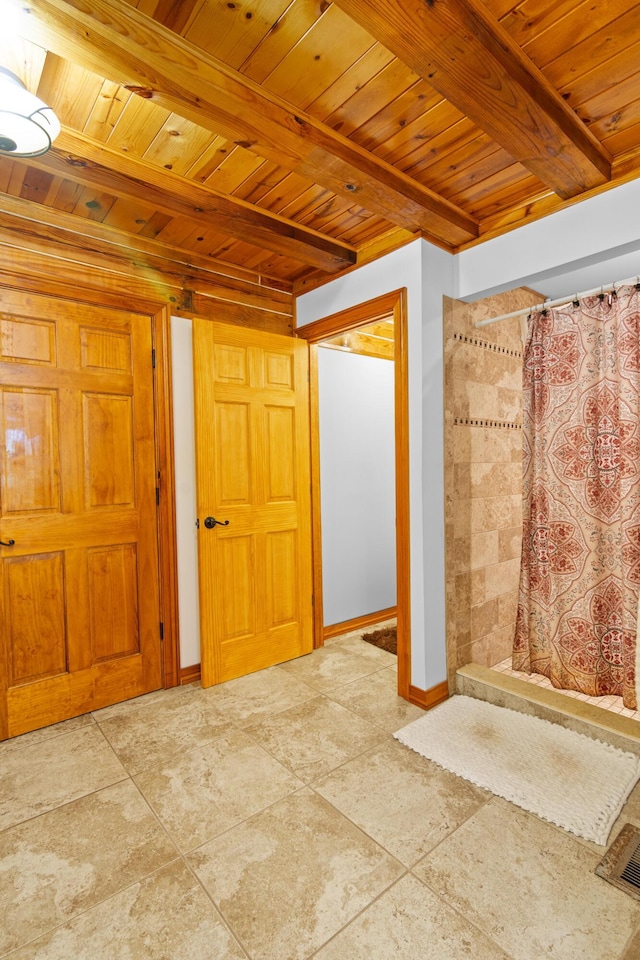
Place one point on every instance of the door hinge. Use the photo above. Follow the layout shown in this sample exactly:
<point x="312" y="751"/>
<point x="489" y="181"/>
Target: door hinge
<point x="161" y="630"/>
<point x="157" y="496"/>
<point x="153" y="358"/>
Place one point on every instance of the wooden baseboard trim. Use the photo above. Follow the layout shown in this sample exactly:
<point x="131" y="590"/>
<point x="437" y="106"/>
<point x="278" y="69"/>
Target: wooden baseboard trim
<point x="189" y="674"/>
<point x="347" y="626"/>
<point x="429" y="698"/>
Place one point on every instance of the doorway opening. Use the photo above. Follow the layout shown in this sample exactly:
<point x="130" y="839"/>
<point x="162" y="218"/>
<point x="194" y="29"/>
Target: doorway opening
<point x="353" y="330"/>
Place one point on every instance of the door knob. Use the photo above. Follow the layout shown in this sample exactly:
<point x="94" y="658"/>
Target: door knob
<point x="7" y="543"/>
<point x="210" y="523"/>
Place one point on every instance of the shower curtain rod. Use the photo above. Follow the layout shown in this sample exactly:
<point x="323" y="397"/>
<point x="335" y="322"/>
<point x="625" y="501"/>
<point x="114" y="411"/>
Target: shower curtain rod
<point x="561" y="301"/>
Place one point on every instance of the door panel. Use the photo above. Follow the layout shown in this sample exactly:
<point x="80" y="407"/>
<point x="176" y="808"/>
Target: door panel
<point x="27" y="340"/>
<point x="282" y="563"/>
<point x="30" y="426"/>
<point x="114" y="602"/>
<point x="108" y="446"/>
<point x="237" y="561"/>
<point x="252" y="453"/>
<point x="105" y="350"/>
<point x="233" y="453"/>
<point x="79" y="603"/>
<point x="280" y="453"/>
<point x="35" y="591"/>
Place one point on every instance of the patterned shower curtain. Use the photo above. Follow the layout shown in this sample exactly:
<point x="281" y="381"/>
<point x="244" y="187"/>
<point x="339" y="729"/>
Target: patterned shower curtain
<point x="577" y="619"/>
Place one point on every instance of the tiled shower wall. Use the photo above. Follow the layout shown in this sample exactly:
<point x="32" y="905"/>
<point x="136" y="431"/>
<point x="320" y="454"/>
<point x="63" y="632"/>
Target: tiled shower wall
<point x="483" y="477"/>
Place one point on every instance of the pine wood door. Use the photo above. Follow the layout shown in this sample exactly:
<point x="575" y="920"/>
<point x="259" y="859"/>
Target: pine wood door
<point x="252" y="456"/>
<point x="79" y="606"/>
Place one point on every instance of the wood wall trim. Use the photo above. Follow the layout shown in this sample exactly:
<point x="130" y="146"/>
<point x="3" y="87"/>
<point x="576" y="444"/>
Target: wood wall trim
<point x="167" y="539"/>
<point x="152" y="278"/>
<point x="239" y="314"/>
<point x="316" y="524"/>
<point x="403" y="557"/>
<point x="357" y="623"/>
<point x="36" y="221"/>
<point x="27" y="271"/>
<point x="427" y="699"/>
<point x="343" y="320"/>
<point x="189" y="674"/>
<point x="393" y="304"/>
<point x="75" y="276"/>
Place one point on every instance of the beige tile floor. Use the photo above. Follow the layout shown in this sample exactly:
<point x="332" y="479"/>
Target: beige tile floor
<point x="276" y="818"/>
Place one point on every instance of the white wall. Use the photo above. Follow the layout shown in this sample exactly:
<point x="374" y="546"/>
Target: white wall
<point x="593" y="242"/>
<point x="595" y="234"/>
<point x="357" y="484"/>
<point x="185" y="477"/>
<point x="407" y="267"/>
<point x="589" y="236"/>
<point x="437" y="281"/>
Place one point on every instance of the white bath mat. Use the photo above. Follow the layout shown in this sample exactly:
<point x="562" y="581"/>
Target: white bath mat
<point x="564" y="777"/>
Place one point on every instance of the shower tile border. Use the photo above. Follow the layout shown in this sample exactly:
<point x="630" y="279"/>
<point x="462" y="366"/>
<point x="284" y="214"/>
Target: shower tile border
<point x="511" y="692"/>
<point x="610" y="703"/>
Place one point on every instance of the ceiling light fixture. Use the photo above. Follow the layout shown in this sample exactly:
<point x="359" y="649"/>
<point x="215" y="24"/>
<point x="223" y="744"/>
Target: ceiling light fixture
<point x="28" y="126"/>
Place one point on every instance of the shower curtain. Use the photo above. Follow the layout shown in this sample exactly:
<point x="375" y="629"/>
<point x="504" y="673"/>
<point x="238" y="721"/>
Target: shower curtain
<point x="577" y="620"/>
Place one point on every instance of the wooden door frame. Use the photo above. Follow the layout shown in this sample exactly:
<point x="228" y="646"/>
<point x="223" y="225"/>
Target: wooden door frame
<point x="392" y="303"/>
<point x="97" y="293"/>
<point x="166" y="513"/>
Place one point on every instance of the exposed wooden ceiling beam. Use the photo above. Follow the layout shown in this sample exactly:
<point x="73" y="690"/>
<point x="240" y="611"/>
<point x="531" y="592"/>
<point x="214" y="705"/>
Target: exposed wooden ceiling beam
<point x="77" y="157"/>
<point x="116" y="40"/>
<point x="460" y="48"/>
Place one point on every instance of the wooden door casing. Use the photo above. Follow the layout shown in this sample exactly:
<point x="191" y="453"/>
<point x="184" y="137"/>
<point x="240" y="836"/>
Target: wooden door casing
<point x="79" y="604"/>
<point x="252" y="465"/>
<point x="391" y="304"/>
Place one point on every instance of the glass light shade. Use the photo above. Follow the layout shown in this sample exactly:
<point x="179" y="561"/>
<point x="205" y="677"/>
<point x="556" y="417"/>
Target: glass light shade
<point x="28" y="126"/>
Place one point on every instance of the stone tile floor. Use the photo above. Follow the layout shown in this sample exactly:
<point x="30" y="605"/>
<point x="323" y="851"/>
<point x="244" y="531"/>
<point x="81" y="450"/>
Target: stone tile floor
<point x="275" y="818"/>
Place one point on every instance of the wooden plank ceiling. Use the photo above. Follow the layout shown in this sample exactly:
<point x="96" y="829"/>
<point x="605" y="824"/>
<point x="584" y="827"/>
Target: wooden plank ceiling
<point x="371" y="340"/>
<point x="290" y="139"/>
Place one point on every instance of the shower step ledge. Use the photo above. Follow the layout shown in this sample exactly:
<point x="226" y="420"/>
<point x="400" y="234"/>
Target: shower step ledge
<point x="483" y="683"/>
